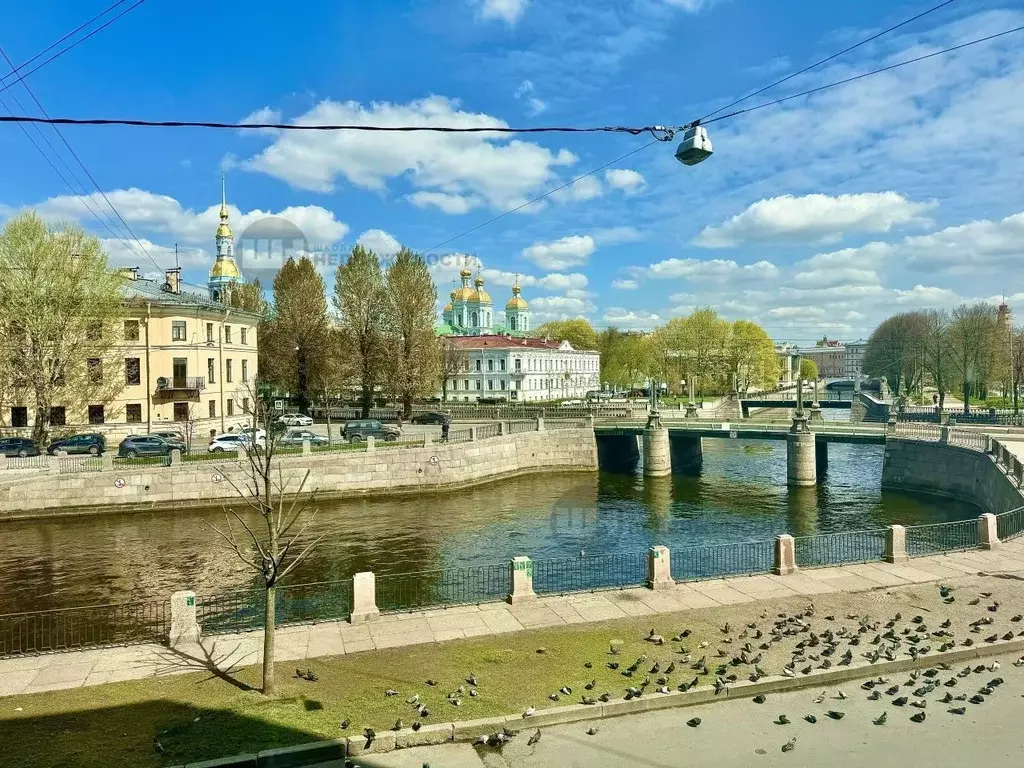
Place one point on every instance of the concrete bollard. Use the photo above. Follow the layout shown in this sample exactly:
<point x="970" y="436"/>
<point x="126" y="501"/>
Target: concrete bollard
<point x="659" y="568"/>
<point x="540" y="423"/>
<point x="896" y="544"/>
<point x="371" y="444"/>
<point x="502" y="428"/>
<point x="184" y="625"/>
<point x="3" y="462"/>
<point x="307" y="449"/>
<point x="107" y="462"/>
<point x="944" y="435"/>
<point x="520" y="579"/>
<point x="785" y="555"/>
<point x="472" y="435"/>
<point x="175" y="457"/>
<point x="988" y="534"/>
<point x="364" y="598"/>
<point x="427" y="440"/>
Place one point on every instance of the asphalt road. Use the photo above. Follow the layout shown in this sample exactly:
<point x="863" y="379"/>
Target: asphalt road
<point x="738" y="734"/>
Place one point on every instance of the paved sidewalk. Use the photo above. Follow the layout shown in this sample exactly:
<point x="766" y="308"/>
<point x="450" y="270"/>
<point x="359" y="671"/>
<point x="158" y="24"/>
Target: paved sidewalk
<point x="223" y="653"/>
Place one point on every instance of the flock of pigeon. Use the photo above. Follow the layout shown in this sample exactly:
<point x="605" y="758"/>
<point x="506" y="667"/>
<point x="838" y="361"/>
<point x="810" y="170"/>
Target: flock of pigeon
<point x="815" y="646"/>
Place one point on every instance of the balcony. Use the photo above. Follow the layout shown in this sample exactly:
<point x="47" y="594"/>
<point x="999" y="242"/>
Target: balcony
<point x="178" y="386"/>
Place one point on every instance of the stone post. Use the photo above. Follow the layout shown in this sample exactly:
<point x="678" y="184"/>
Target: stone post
<point x="364" y="598"/>
<point x="427" y="440"/>
<point x="184" y="626"/>
<point x="659" y="568"/>
<point x="785" y="555"/>
<point x="890" y="424"/>
<point x="307" y="449"/>
<point x="657" y="453"/>
<point x="371" y="444"/>
<point x="943" y="434"/>
<point x="472" y="435"/>
<point x="540" y="423"/>
<point x="175" y="457"/>
<point x="502" y="428"/>
<point x="107" y="462"/>
<point x="988" y="536"/>
<point x="520" y="579"/>
<point x="896" y="544"/>
<point x="801" y="456"/>
<point x="3" y="463"/>
<point x="590" y="421"/>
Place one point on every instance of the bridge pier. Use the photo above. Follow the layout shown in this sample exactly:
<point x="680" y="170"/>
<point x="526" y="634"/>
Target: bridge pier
<point x="618" y="453"/>
<point x="820" y="457"/>
<point x="801" y="455"/>
<point x="687" y="452"/>
<point x="657" y="453"/>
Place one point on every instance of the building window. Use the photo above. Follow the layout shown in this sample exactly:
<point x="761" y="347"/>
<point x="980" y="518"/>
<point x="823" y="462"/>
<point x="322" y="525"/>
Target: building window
<point x="227" y="334"/>
<point x="501" y="365"/>
<point x="519" y="365"/>
<point x="131" y="330"/>
<point x="245" y="371"/>
<point x="479" y="365"/>
<point x="177" y="330"/>
<point x="231" y="407"/>
<point x="502" y="385"/>
<point x="95" y="369"/>
<point x="209" y="332"/>
<point x="182" y="411"/>
<point x="478" y="385"/>
<point x="96" y="414"/>
<point x="133" y="413"/>
<point x="465" y="383"/>
<point x="213" y="409"/>
<point x="227" y="371"/>
<point x="490" y="384"/>
<point x="58" y="418"/>
<point x="211" y="367"/>
<point x="132" y="371"/>
<point x="19" y="416"/>
<point x="245" y="405"/>
<point x="245" y="335"/>
<point x="490" y="366"/>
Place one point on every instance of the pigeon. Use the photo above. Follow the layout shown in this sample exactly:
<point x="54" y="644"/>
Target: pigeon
<point x="390" y="692"/>
<point x="1016" y="618"/>
<point x="533" y="739"/>
<point x="605" y="697"/>
<point x="431" y="683"/>
<point x="414" y="700"/>
<point x="881" y="719"/>
<point x="790" y="745"/>
<point x="975" y="601"/>
<point x="919" y="717"/>
<point x="398" y="725"/>
<point x="920" y="703"/>
<point x="472" y="680"/>
<point x="693" y="722"/>
<point x="529" y="712"/>
<point x="370" y="734"/>
<point x="590" y="702"/>
<point x="554" y="697"/>
<point x="613" y="665"/>
<point x="810" y="719"/>
<point x="892" y="691"/>
<point x="782" y="720"/>
<point x="977" y="699"/>
<point x="592" y="731"/>
<point x="957" y="710"/>
<point x="841" y="696"/>
<point x="900" y="701"/>
<point x="759" y="699"/>
<point x="820" y="698"/>
<point x="591" y="685"/>
<point x="836" y="715"/>
<point x="874" y="696"/>
<point x="157" y="746"/>
<point x="565" y="690"/>
<point x="588" y="665"/>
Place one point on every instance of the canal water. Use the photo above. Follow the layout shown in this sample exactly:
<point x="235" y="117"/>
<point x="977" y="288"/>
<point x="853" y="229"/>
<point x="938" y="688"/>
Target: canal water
<point x="739" y="495"/>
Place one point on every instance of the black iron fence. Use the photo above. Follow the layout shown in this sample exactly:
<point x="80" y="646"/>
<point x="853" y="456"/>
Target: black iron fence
<point x="488" y="430"/>
<point x="67" y="629"/>
<point x="1010" y="525"/>
<point x="453" y="586"/>
<point x="588" y="573"/>
<point x="719" y="560"/>
<point x="838" y="548"/>
<point x="942" y="537"/>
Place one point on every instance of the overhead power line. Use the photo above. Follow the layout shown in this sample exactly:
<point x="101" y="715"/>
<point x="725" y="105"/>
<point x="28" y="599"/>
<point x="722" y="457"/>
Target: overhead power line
<point x="61" y="52"/>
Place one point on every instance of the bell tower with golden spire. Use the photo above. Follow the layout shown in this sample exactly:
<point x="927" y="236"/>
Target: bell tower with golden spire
<point x="225" y="271"/>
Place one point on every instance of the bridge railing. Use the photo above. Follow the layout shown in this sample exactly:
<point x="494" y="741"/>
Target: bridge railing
<point x="837" y="548"/>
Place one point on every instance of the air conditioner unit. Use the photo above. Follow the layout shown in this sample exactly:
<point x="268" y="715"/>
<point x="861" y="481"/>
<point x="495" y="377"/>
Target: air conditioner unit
<point x="163" y="382"/>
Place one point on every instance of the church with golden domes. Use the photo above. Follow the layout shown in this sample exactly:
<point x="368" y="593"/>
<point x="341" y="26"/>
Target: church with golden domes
<point x="224" y="272"/>
<point x="471" y="311"/>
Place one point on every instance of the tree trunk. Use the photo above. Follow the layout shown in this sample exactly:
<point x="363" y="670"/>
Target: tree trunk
<point x="1016" y="386"/>
<point x="367" y="401"/>
<point x="328" y="411"/>
<point x="942" y="400"/>
<point x="444" y="390"/>
<point x="407" y="406"/>
<point x="967" y="397"/>
<point x="303" y="383"/>
<point x="268" y="643"/>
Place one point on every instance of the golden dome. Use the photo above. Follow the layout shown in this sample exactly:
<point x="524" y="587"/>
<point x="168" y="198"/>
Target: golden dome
<point x="224" y="230"/>
<point x="517" y="301"/>
<point x="225" y="268"/>
<point x="447" y="308"/>
<point x="465" y="293"/>
<point x="466" y="273"/>
<point x="480" y="295"/>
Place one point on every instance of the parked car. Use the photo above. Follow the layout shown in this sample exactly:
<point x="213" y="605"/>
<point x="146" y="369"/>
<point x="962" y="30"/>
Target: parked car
<point x="232" y="442"/>
<point x="572" y="403"/>
<point x="296" y="420"/>
<point x="134" y="446"/>
<point x="294" y="437"/>
<point x="92" y="443"/>
<point x="174" y="437"/>
<point x="357" y="431"/>
<point x="260" y="434"/>
<point x="431" y="417"/>
<point x="491" y="401"/>
<point x="18" y="446"/>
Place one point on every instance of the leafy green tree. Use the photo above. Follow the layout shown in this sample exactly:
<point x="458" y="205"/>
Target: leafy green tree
<point x="578" y="332"/>
<point x="413" y="361"/>
<point x="699" y="344"/>
<point x="894" y="350"/>
<point x="361" y="300"/>
<point x="247" y="297"/>
<point x="61" y="320"/>
<point x="808" y="369"/>
<point x="752" y="356"/>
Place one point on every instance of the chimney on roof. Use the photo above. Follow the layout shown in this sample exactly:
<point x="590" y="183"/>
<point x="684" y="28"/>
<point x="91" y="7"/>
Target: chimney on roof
<point x="173" y="282"/>
<point x="129" y="273"/>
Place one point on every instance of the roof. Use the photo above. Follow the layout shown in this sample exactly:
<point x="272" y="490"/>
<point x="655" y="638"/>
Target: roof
<point x="504" y="342"/>
<point x="143" y="290"/>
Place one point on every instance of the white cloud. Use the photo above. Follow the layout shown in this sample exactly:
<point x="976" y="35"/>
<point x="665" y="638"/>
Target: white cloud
<point x="559" y="307"/>
<point x="830" y="276"/>
<point x="630" y="317"/>
<point x="488" y="168"/>
<point x="616" y="235"/>
<point x="709" y="269"/>
<point x="568" y="251"/>
<point x="977" y="245"/>
<point x="625" y="285"/>
<point x="453" y="204"/>
<point x="262" y="115"/>
<point x="628" y="180"/>
<point x="926" y="296"/>
<point x="508" y="11"/>
<point x="128" y="253"/>
<point x="690" y="6"/>
<point x="380" y="242"/>
<point x="814" y="218"/>
<point x="586" y="188"/>
<point x="525" y="93"/>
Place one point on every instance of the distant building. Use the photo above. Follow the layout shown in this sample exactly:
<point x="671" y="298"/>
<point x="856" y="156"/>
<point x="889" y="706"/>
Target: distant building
<point x="829" y="360"/>
<point x="224" y="272"/>
<point x="853" y="360"/>
<point x="471" y="311"/>
<point x="786" y="353"/>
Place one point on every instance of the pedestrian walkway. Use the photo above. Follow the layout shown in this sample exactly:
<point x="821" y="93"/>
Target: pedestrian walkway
<point x="224" y="653"/>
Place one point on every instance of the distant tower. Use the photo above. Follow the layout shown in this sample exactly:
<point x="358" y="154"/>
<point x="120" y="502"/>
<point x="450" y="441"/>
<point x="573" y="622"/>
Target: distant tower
<point x="517" y="311"/>
<point x="225" y="271"/>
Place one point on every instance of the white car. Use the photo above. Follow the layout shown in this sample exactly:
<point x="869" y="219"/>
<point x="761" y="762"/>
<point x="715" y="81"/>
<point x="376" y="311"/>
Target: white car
<point x="296" y="420"/>
<point x="233" y="442"/>
<point x="572" y="403"/>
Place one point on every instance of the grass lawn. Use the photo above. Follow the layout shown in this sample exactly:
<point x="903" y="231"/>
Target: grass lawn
<point x="201" y="716"/>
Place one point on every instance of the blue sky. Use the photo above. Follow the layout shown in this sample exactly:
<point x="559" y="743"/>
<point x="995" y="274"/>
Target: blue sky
<point x="821" y="215"/>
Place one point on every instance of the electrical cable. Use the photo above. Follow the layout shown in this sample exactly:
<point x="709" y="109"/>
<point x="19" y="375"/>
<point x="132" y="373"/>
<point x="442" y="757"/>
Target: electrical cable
<point x="60" y="53"/>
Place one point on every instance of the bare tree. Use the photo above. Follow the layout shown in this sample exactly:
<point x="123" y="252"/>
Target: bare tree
<point x="1017" y="362"/>
<point x="970" y="334"/>
<point x="894" y="350"/>
<point x="936" y="358"/>
<point x="453" y="361"/>
<point x="273" y="545"/>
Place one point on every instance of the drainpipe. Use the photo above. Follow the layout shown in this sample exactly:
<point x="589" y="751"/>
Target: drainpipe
<point x="149" y="383"/>
<point x="220" y="337"/>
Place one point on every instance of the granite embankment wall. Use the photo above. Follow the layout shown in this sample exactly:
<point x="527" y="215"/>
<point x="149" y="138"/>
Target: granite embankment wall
<point x="949" y="470"/>
<point x="334" y="474"/>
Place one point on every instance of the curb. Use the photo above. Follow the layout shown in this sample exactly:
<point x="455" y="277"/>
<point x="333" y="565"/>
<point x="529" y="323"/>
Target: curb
<point x="471" y="730"/>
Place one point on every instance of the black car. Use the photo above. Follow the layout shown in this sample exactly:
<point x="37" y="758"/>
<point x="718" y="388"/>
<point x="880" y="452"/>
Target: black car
<point x="134" y="446"/>
<point x="431" y="417"/>
<point x="18" y="446"/>
<point x="92" y="443"/>
<point x="357" y="431"/>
